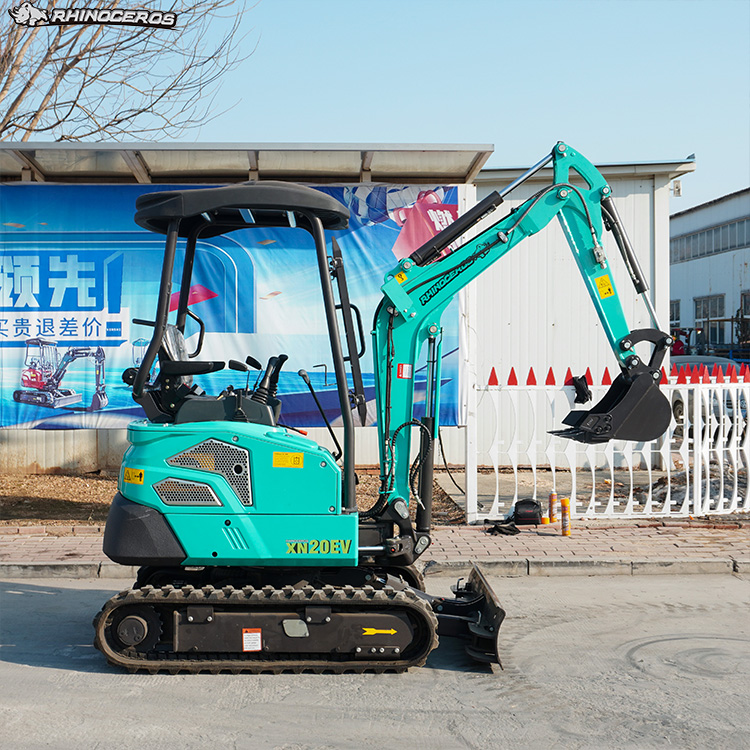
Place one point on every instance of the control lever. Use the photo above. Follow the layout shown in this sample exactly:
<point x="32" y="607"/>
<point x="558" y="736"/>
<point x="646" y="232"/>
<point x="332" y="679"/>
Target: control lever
<point x="275" y="374"/>
<point x="263" y="391"/>
<point x="303" y="374"/>
<point x="255" y="365"/>
<point x="239" y="414"/>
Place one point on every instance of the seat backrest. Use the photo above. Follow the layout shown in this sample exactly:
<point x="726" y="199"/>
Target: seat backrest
<point x="174" y="347"/>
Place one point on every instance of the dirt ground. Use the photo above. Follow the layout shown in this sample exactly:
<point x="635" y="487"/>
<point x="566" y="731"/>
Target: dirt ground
<point x="59" y="499"/>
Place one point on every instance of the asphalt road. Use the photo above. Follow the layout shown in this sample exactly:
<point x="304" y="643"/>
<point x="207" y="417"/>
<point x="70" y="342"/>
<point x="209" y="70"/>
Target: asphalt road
<point x="596" y="662"/>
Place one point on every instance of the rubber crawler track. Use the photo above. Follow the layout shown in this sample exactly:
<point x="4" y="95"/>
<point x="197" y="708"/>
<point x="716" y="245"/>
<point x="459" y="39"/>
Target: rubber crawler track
<point x="249" y="599"/>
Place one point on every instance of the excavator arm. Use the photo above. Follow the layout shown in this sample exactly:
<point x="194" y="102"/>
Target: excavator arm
<point x="420" y="287"/>
<point x="99" y="400"/>
<point x="80" y="352"/>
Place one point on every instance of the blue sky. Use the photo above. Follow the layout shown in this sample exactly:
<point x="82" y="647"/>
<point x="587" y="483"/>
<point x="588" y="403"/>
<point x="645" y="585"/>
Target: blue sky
<point x="621" y="80"/>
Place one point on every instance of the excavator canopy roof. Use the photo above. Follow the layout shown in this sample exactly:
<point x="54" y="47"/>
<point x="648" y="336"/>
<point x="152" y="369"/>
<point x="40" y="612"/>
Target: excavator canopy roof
<point x="252" y="204"/>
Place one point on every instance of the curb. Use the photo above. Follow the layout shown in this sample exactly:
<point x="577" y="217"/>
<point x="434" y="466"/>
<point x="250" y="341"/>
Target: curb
<point x="559" y="566"/>
<point x="681" y="567"/>
<point x="604" y="524"/>
<point x="67" y="570"/>
<point x="62" y="530"/>
<point x="505" y="568"/>
<point x="550" y="566"/>
<point x="516" y="566"/>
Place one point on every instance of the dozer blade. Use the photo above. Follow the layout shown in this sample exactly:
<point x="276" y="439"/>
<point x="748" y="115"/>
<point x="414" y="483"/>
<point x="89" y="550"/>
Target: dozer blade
<point x="475" y="613"/>
<point x="632" y="409"/>
<point x="485" y="640"/>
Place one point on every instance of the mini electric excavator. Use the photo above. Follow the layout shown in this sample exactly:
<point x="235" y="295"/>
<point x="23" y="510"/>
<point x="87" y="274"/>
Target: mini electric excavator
<point x="45" y="370"/>
<point x="252" y="555"/>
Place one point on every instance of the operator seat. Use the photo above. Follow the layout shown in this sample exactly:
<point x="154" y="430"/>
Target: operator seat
<point x="183" y="401"/>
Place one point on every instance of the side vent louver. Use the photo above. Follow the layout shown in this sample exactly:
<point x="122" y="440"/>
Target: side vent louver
<point x="235" y="538"/>
<point x="181" y="492"/>
<point x="229" y="461"/>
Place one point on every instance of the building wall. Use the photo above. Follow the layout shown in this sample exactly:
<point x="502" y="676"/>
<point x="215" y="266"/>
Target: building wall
<point x="532" y="309"/>
<point x="724" y="209"/>
<point x="710" y="256"/>
<point x="727" y="274"/>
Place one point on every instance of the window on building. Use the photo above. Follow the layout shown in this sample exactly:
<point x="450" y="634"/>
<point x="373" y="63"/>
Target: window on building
<point x="674" y="313"/>
<point x="745" y="303"/>
<point x="708" y="310"/>
<point x="731" y="236"/>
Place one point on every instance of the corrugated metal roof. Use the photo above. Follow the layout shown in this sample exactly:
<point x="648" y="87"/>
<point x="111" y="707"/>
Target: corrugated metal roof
<point x="670" y="168"/>
<point x="712" y="202"/>
<point x="239" y="162"/>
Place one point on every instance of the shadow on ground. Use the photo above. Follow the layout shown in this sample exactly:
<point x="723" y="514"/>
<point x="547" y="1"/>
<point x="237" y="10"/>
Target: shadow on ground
<point x="50" y="626"/>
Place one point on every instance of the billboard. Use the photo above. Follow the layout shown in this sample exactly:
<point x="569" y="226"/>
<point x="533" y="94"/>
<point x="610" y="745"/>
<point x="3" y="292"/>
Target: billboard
<point x="75" y="271"/>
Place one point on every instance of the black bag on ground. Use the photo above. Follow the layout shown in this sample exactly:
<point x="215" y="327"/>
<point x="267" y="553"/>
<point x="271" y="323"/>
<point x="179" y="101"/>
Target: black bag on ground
<point x="527" y="512"/>
<point x="508" y="528"/>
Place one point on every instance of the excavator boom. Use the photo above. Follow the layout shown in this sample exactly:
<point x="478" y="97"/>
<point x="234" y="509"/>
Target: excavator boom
<point x="417" y="291"/>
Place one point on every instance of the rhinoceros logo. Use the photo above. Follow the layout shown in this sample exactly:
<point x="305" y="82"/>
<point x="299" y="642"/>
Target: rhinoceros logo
<point x="26" y="14"/>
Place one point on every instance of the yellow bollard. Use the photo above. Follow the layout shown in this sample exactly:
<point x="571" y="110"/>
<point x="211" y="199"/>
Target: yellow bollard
<point x="565" y="516"/>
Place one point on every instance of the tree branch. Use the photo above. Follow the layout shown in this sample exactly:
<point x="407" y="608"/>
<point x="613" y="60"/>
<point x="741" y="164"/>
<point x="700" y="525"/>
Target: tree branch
<point x="114" y="82"/>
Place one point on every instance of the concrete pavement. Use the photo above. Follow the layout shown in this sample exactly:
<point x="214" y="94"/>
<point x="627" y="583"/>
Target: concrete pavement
<point x="613" y="663"/>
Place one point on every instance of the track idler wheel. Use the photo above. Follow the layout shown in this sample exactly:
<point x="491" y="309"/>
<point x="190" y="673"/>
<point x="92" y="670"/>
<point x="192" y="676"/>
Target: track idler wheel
<point x="136" y="627"/>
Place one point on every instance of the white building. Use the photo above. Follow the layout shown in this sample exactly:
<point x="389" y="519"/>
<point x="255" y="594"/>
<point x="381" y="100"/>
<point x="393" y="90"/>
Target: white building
<point x="710" y="269"/>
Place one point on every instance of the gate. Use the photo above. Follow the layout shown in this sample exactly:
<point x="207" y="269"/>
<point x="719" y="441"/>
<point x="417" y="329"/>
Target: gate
<point x="698" y="468"/>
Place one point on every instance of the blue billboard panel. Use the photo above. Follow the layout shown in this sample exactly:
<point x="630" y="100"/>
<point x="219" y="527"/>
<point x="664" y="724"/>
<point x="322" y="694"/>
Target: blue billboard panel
<point x="75" y="271"/>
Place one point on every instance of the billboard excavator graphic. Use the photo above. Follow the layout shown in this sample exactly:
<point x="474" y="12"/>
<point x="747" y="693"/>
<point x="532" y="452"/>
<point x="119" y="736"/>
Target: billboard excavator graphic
<point x="45" y="370"/>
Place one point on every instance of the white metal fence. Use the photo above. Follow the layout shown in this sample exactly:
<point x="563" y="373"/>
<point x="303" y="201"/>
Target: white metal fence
<point x="699" y="467"/>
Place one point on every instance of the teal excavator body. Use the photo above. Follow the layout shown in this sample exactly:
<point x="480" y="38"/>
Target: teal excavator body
<point x="252" y="553"/>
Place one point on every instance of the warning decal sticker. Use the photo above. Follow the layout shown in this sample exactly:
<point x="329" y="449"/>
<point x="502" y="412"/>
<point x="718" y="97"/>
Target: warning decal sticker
<point x="604" y="285"/>
<point x="132" y="476"/>
<point x="401" y="277"/>
<point x="251" y="639"/>
<point x="283" y="460"/>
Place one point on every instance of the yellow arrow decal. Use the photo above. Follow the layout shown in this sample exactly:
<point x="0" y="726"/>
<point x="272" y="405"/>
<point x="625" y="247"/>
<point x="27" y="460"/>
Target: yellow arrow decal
<point x="374" y="631"/>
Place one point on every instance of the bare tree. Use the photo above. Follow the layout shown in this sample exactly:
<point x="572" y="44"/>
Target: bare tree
<point x="114" y="82"/>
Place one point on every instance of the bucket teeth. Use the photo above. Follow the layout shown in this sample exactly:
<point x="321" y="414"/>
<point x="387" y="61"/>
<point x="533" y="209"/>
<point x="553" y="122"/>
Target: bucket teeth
<point x="573" y="433"/>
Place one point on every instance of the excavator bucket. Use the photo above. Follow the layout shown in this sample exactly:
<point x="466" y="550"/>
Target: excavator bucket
<point x="632" y="409"/>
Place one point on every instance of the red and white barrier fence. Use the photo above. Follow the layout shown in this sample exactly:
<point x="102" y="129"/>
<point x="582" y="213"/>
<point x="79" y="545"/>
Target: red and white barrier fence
<point x="699" y="467"/>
